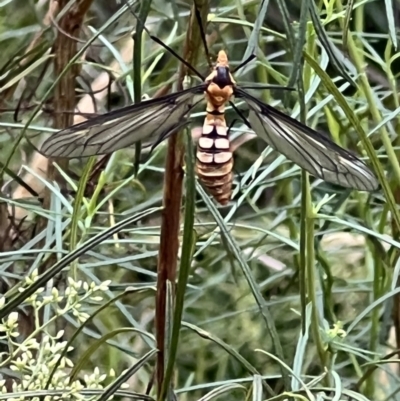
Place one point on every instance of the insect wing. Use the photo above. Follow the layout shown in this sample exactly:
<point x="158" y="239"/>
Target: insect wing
<point x="312" y="151"/>
<point x="150" y="121"/>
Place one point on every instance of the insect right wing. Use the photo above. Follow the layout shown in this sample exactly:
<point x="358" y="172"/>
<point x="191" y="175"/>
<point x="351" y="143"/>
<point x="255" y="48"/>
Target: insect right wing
<point x="150" y="121"/>
<point x="312" y="151"/>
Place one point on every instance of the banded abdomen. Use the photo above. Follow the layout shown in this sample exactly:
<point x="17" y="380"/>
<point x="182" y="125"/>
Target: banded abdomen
<point x="214" y="157"/>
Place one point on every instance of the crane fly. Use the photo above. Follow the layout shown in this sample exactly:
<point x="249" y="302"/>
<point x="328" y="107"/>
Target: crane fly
<point x="154" y="120"/>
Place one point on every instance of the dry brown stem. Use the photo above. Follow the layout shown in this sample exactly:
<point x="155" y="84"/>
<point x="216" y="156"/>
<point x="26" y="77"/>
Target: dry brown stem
<point x="170" y="222"/>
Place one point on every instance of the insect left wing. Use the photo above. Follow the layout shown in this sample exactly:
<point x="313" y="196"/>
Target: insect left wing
<point x="151" y="121"/>
<point x="312" y="151"/>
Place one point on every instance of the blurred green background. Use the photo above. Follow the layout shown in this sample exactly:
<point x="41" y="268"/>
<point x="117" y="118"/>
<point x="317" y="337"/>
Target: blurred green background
<point x="355" y="245"/>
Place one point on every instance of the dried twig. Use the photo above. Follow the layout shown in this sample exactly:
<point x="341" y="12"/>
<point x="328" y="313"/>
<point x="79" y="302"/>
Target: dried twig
<point x="169" y="240"/>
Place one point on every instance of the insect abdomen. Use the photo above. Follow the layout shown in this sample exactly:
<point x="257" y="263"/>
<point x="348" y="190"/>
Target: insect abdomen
<point x="215" y="161"/>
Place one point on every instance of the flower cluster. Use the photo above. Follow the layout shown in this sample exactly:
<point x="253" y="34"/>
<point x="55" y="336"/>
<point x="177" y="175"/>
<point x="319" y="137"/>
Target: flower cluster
<point x="40" y="362"/>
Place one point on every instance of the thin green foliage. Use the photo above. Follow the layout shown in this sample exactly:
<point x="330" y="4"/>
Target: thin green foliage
<point x="306" y="315"/>
<point x="137" y="64"/>
<point x="51" y="88"/>
<point x="249" y="277"/>
<point x="61" y="264"/>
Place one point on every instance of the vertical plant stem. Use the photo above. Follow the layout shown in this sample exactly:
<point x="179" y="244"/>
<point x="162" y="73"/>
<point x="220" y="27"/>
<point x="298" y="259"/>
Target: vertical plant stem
<point x="77" y="214"/>
<point x="305" y="184"/>
<point x="170" y="220"/>
<point x="137" y="66"/>
<point x="188" y="247"/>
<point x="303" y="256"/>
<point x="311" y="279"/>
<point x="378" y="291"/>
<point x="308" y="277"/>
<point x="65" y="48"/>
<point x="394" y="253"/>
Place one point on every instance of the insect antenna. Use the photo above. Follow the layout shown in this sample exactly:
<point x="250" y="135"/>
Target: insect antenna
<point x="268" y="87"/>
<point x="165" y="46"/>
<point x="255" y="86"/>
<point x="245" y="62"/>
<point x="173" y="52"/>
<point x="202" y="34"/>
